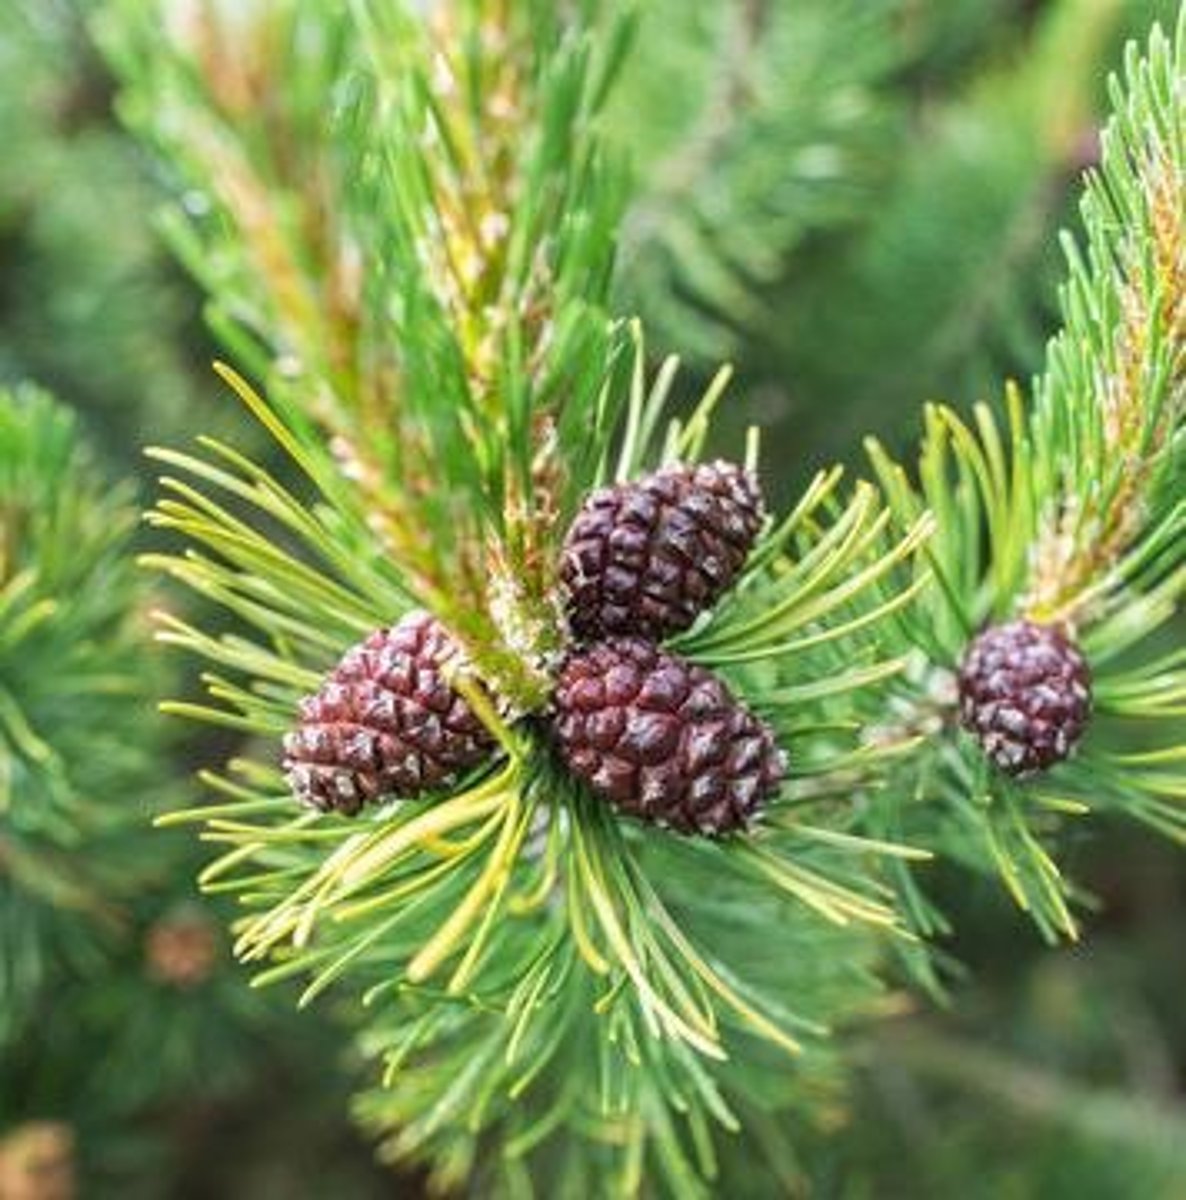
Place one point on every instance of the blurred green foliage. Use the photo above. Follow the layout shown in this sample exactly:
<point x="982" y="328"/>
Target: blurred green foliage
<point x="91" y="305"/>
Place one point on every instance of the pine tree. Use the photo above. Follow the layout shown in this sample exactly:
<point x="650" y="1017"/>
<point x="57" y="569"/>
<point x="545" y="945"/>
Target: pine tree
<point x="411" y="246"/>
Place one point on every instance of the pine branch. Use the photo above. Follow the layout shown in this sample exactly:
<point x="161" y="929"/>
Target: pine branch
<point x="427" y="271"/>
<point x="518" y="886"/>
<point x="1125" y="345"/>
<point x="518" y="948"/>
<point x="1071" y="517"/>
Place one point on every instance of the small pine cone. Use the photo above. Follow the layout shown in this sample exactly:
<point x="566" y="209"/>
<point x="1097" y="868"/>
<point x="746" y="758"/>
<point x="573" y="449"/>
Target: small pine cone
<point x="181" y="949"/>
<point x="385" y="722"/>
<point x="1025" y="695"/>
<point x="645" y="559"/>
<point x="663" y="739"/>
<point x="38" y="1161"/>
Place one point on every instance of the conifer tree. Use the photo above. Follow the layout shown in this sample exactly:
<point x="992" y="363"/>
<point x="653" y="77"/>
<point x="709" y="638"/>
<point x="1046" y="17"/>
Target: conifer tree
<point x="406" y="221"/>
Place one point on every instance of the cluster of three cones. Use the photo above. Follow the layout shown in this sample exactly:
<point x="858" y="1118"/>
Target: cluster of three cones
<point x="658" y="737"/>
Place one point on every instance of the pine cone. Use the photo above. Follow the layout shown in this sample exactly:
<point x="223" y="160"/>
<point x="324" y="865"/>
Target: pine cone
<point x="1025" y="695"/>
<point x="385" y="722"/>
<point x="663" y="739"/>
<point x="644" y="559"/>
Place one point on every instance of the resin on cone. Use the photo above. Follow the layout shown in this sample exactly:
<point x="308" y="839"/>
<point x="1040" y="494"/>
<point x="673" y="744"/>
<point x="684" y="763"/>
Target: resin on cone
<point x="386" y="722"/>
<point x="1025" y="695"/>
<point x="645" y="559"/>
<point x="663" y="739"/>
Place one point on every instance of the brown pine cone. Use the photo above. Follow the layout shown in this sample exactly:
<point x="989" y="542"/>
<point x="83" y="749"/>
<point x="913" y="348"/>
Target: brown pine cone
<point x="645" y="559"/>
<point x="1025" y="695"/>
<point x="385" y="722"/>
<point x="663" y="739"/>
